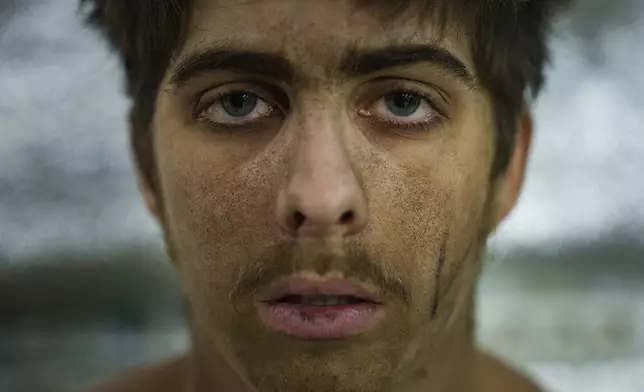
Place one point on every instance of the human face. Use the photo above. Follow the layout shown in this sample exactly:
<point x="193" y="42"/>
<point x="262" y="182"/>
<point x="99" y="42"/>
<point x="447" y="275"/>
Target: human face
<point x="305" y="148"/>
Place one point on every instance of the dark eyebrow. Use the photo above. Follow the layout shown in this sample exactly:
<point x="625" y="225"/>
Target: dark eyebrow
<point x="265" y="64"/>
<point x="355" y="62"/>
<point x="362" y="62"/>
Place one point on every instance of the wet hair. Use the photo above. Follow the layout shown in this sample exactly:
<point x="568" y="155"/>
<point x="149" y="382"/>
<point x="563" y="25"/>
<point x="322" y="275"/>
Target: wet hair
<point x="508" y="40"/>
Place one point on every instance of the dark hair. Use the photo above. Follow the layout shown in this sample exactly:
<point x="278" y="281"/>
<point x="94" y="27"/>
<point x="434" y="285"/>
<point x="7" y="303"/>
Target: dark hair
<point x="508" y="42"/>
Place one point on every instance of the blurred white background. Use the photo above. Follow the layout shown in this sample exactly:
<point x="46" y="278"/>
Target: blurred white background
<point x="563" y="290"/>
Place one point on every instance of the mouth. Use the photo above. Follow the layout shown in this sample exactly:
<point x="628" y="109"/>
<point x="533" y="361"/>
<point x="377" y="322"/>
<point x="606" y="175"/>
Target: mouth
<point x="313" y="309"/>
<point x="322" y="300"/>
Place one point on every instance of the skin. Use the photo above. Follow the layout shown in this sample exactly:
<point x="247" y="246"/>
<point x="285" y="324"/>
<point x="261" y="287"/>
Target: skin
<point x="241" y="206"/>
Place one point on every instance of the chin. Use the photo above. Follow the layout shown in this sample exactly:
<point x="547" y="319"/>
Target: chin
<point x="321" y="372"/>
<point x="274" y="361"/>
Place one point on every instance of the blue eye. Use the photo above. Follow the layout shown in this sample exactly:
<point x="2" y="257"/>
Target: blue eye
<point x="239" y="104"/>
<point x="403" y="108"/>
<point x="237" y="108"/>
<point x="402" y="104"/>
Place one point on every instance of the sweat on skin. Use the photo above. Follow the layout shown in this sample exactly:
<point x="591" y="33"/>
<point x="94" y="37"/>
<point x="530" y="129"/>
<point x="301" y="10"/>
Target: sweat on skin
<point x="361" y="152"/>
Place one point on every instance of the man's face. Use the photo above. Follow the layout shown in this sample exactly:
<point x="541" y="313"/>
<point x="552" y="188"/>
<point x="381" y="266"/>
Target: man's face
<point x="304" y="144"/>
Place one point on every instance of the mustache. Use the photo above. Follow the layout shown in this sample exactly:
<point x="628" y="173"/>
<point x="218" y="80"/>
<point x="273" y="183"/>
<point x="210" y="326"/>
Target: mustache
<point x="285" y="259"/>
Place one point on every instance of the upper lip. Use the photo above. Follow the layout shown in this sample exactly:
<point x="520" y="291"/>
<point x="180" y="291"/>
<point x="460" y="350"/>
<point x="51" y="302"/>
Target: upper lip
<point x="310" y="287"/>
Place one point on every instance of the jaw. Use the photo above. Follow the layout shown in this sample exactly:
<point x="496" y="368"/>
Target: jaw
<point x="381" y="361"/>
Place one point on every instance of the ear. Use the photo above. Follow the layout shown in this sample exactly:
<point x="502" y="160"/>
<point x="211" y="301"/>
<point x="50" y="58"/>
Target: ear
<point x="147" y="191"/>
<point x="510" y="183"/>
<point x="149" y="196"/>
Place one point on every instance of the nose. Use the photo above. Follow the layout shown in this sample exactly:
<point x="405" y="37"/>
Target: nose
<point x="322" y="195"/>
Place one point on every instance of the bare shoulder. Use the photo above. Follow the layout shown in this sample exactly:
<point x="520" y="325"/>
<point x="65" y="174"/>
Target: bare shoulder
<point x="497" y="376"/>
<point x="167" y="376"/>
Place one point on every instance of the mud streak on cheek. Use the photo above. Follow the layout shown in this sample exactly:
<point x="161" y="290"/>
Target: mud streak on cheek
<point x="439" y="269"/>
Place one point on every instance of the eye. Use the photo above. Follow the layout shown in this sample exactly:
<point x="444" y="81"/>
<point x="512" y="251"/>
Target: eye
<point x="403" y="108"/>
<point x="239" y="104"/>
<point x="236" y="108"/>
<point x="403" y="104"/>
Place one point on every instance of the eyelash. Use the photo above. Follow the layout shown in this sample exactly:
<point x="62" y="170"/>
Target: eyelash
<point x="417" y="125"/>
<point x="200" y="109"/>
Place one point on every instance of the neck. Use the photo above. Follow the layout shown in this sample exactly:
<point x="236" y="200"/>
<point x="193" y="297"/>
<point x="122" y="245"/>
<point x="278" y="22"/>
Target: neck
<point x="213" y="370"/>
<point x="443" y="362"/>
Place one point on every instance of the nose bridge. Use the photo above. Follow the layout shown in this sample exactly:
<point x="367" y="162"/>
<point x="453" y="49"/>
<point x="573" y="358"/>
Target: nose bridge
<point x="321" y="159"/>
<point x="322" y="193"/>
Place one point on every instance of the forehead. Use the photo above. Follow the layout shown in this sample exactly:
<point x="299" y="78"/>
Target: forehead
<point x="312" y="33"/>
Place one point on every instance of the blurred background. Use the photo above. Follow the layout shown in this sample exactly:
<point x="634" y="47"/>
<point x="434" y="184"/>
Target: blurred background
<point x="86" y="291"/>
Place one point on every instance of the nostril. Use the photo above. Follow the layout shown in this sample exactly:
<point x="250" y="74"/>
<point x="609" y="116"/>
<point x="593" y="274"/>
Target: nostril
<point x="346" y="218"/>
<point x="298" y="219"/>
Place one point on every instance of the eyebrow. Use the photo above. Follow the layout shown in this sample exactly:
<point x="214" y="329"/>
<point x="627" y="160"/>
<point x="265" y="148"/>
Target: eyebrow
<point x="258" y="63"/>
<point x="361" y="61"/>
<point x="356" y="62"/>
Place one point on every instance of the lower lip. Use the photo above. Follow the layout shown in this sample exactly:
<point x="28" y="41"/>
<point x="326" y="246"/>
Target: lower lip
<point x="321" y="322"/>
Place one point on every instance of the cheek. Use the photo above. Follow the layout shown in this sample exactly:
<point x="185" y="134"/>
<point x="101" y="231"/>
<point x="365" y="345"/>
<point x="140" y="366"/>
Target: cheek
<point x="217" y="217"/>
<point x="421" y="214"/>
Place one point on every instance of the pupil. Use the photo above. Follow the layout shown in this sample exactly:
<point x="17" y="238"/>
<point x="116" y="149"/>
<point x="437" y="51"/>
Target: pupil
<point x="239" y="104"/>
<point x="402" y="104"/>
